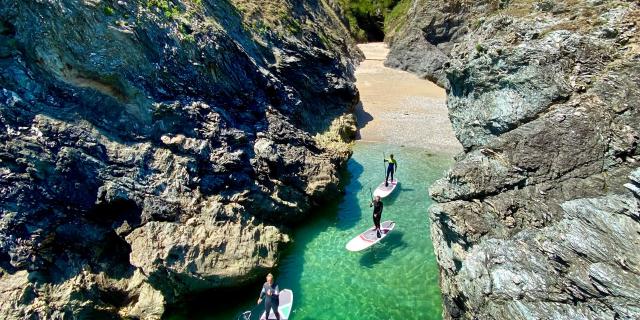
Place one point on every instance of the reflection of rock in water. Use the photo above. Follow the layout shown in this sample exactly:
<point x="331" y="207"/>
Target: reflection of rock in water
<point x="533" y="221"/>
<point x="150" y="151"/>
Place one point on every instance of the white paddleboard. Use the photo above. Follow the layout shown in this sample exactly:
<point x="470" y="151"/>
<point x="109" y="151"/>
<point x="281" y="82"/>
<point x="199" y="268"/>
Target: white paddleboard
<point x="370" y="237"/>
<point x="284" y="306"/>
<point x="383" y="190"/>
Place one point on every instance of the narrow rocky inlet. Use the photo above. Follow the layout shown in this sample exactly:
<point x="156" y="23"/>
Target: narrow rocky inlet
<point x="404" y="264"/>
<point x="154" y="152"/>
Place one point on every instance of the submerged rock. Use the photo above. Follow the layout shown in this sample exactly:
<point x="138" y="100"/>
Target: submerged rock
<point x="151" y="149"/>
<point x="533" y="221"/>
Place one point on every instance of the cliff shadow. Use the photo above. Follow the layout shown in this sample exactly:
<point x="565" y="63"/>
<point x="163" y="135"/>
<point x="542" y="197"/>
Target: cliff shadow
<point x="348" y="209"/>
<point x="342" y="212"/>
<point x="362" y="118"/>
<point x="78" y="241"/>
<point x="337" y="216"/>
<point x="221" y="303"/>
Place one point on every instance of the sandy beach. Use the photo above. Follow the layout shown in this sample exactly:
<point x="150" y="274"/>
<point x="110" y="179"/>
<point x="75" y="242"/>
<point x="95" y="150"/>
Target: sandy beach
<point x="400" y="108"/>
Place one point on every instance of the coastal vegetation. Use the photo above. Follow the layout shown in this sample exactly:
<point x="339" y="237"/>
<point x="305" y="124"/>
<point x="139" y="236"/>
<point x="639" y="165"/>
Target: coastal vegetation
<point x="369" y="20"/>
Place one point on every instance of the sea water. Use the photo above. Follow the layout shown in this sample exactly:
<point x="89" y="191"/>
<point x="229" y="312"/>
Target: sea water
<point x="394" y="279"/>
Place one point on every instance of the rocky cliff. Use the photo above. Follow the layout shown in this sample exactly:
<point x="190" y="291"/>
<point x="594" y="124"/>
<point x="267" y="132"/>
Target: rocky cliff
<point x="533" y="221"/>
<point x="153" y="148"/>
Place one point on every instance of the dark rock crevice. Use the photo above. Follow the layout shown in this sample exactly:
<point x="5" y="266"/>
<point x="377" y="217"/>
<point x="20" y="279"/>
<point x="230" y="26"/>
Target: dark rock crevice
<point x="373" y="26"/>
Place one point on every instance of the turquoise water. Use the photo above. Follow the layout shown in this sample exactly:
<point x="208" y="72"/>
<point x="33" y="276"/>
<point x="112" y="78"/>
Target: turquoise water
<point x="395" y="279"/>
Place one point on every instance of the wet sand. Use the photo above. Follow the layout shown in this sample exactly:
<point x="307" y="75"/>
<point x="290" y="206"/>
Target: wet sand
<point x="400" y="108"/>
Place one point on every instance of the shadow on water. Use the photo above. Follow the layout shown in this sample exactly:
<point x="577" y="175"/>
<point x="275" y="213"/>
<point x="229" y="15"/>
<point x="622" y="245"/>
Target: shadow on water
<point x="211" y="304"/>
<point x="317" y="259"/>
<point x="347" y="208"/>
<point x="383" y="250"/>
<point x="341" y="212"/>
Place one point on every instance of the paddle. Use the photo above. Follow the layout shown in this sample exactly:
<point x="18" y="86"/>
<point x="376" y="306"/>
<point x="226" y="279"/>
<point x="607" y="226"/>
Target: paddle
<point x="247" y="314"/>
<point x="384" y="164"/>
<point x="370" y="194"/>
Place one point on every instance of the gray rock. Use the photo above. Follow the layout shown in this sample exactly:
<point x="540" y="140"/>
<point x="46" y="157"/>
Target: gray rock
<point x="533" y="221"/>
<point x="147" y="152"/>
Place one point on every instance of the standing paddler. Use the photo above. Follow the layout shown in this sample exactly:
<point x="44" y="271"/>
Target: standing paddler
<point x="270" y="292"/>
<point x="391" y="169"/>
<point x="377" y="205"/>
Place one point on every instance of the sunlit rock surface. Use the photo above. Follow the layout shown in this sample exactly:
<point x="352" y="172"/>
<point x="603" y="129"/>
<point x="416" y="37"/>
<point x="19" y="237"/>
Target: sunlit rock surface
<point x="534" y="221"/>
<point x="150" y="149"/>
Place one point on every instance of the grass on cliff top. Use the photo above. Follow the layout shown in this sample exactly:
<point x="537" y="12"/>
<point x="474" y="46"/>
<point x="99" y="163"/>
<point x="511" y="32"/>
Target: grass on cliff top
<point x="397" y="17"/>
<point x="263" y="16"/>
<point x="166" y="8"/>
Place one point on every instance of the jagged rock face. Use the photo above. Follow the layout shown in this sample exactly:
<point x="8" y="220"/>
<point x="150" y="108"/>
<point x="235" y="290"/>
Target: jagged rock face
<point x="424" y="43"/>
<point x="150" y="149"/>
<point x="533" y="220"/>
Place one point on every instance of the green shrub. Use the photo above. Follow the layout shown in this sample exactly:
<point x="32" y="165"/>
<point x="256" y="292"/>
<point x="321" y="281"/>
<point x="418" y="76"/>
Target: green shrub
<point x="294" y="27"/>
<point x="186" y="32"/>
<point x="372" y="15"/>
<point x="397" y="17"/>
<point x="108" y="11"/>
<point x="167" y="8"/>
<point x="260" y="27"/>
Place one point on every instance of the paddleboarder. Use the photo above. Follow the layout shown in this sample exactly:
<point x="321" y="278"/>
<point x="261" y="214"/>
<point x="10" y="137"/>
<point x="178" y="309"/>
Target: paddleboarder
<point x="391" y="169"/>
<point x="377" y="213"/>
<point x="270" y="292"/>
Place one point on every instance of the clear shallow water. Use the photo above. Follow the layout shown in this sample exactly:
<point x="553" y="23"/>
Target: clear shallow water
<point x="395" y="279"/>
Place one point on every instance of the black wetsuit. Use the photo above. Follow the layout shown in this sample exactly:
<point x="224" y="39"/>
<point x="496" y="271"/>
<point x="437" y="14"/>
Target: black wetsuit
<point x="377" y="213"/>
<point x="270" y="301"/>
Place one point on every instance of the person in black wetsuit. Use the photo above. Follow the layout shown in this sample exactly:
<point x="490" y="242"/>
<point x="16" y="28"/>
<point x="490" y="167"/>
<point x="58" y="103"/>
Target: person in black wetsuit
<point x="270" y="292"/>
<point x="377" y="213"/>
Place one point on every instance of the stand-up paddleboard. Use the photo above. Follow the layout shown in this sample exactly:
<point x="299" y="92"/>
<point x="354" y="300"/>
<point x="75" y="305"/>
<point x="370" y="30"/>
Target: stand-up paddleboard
<point x="370" y="237"/>
<point x="284" y="306"/>
<point x="383" y="190"/>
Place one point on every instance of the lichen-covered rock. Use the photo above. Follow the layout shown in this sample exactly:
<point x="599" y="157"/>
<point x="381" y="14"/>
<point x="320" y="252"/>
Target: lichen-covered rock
<point x="150" y="149"/>
<point x="583" y="266"/>
<point x="533" y="220"/>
